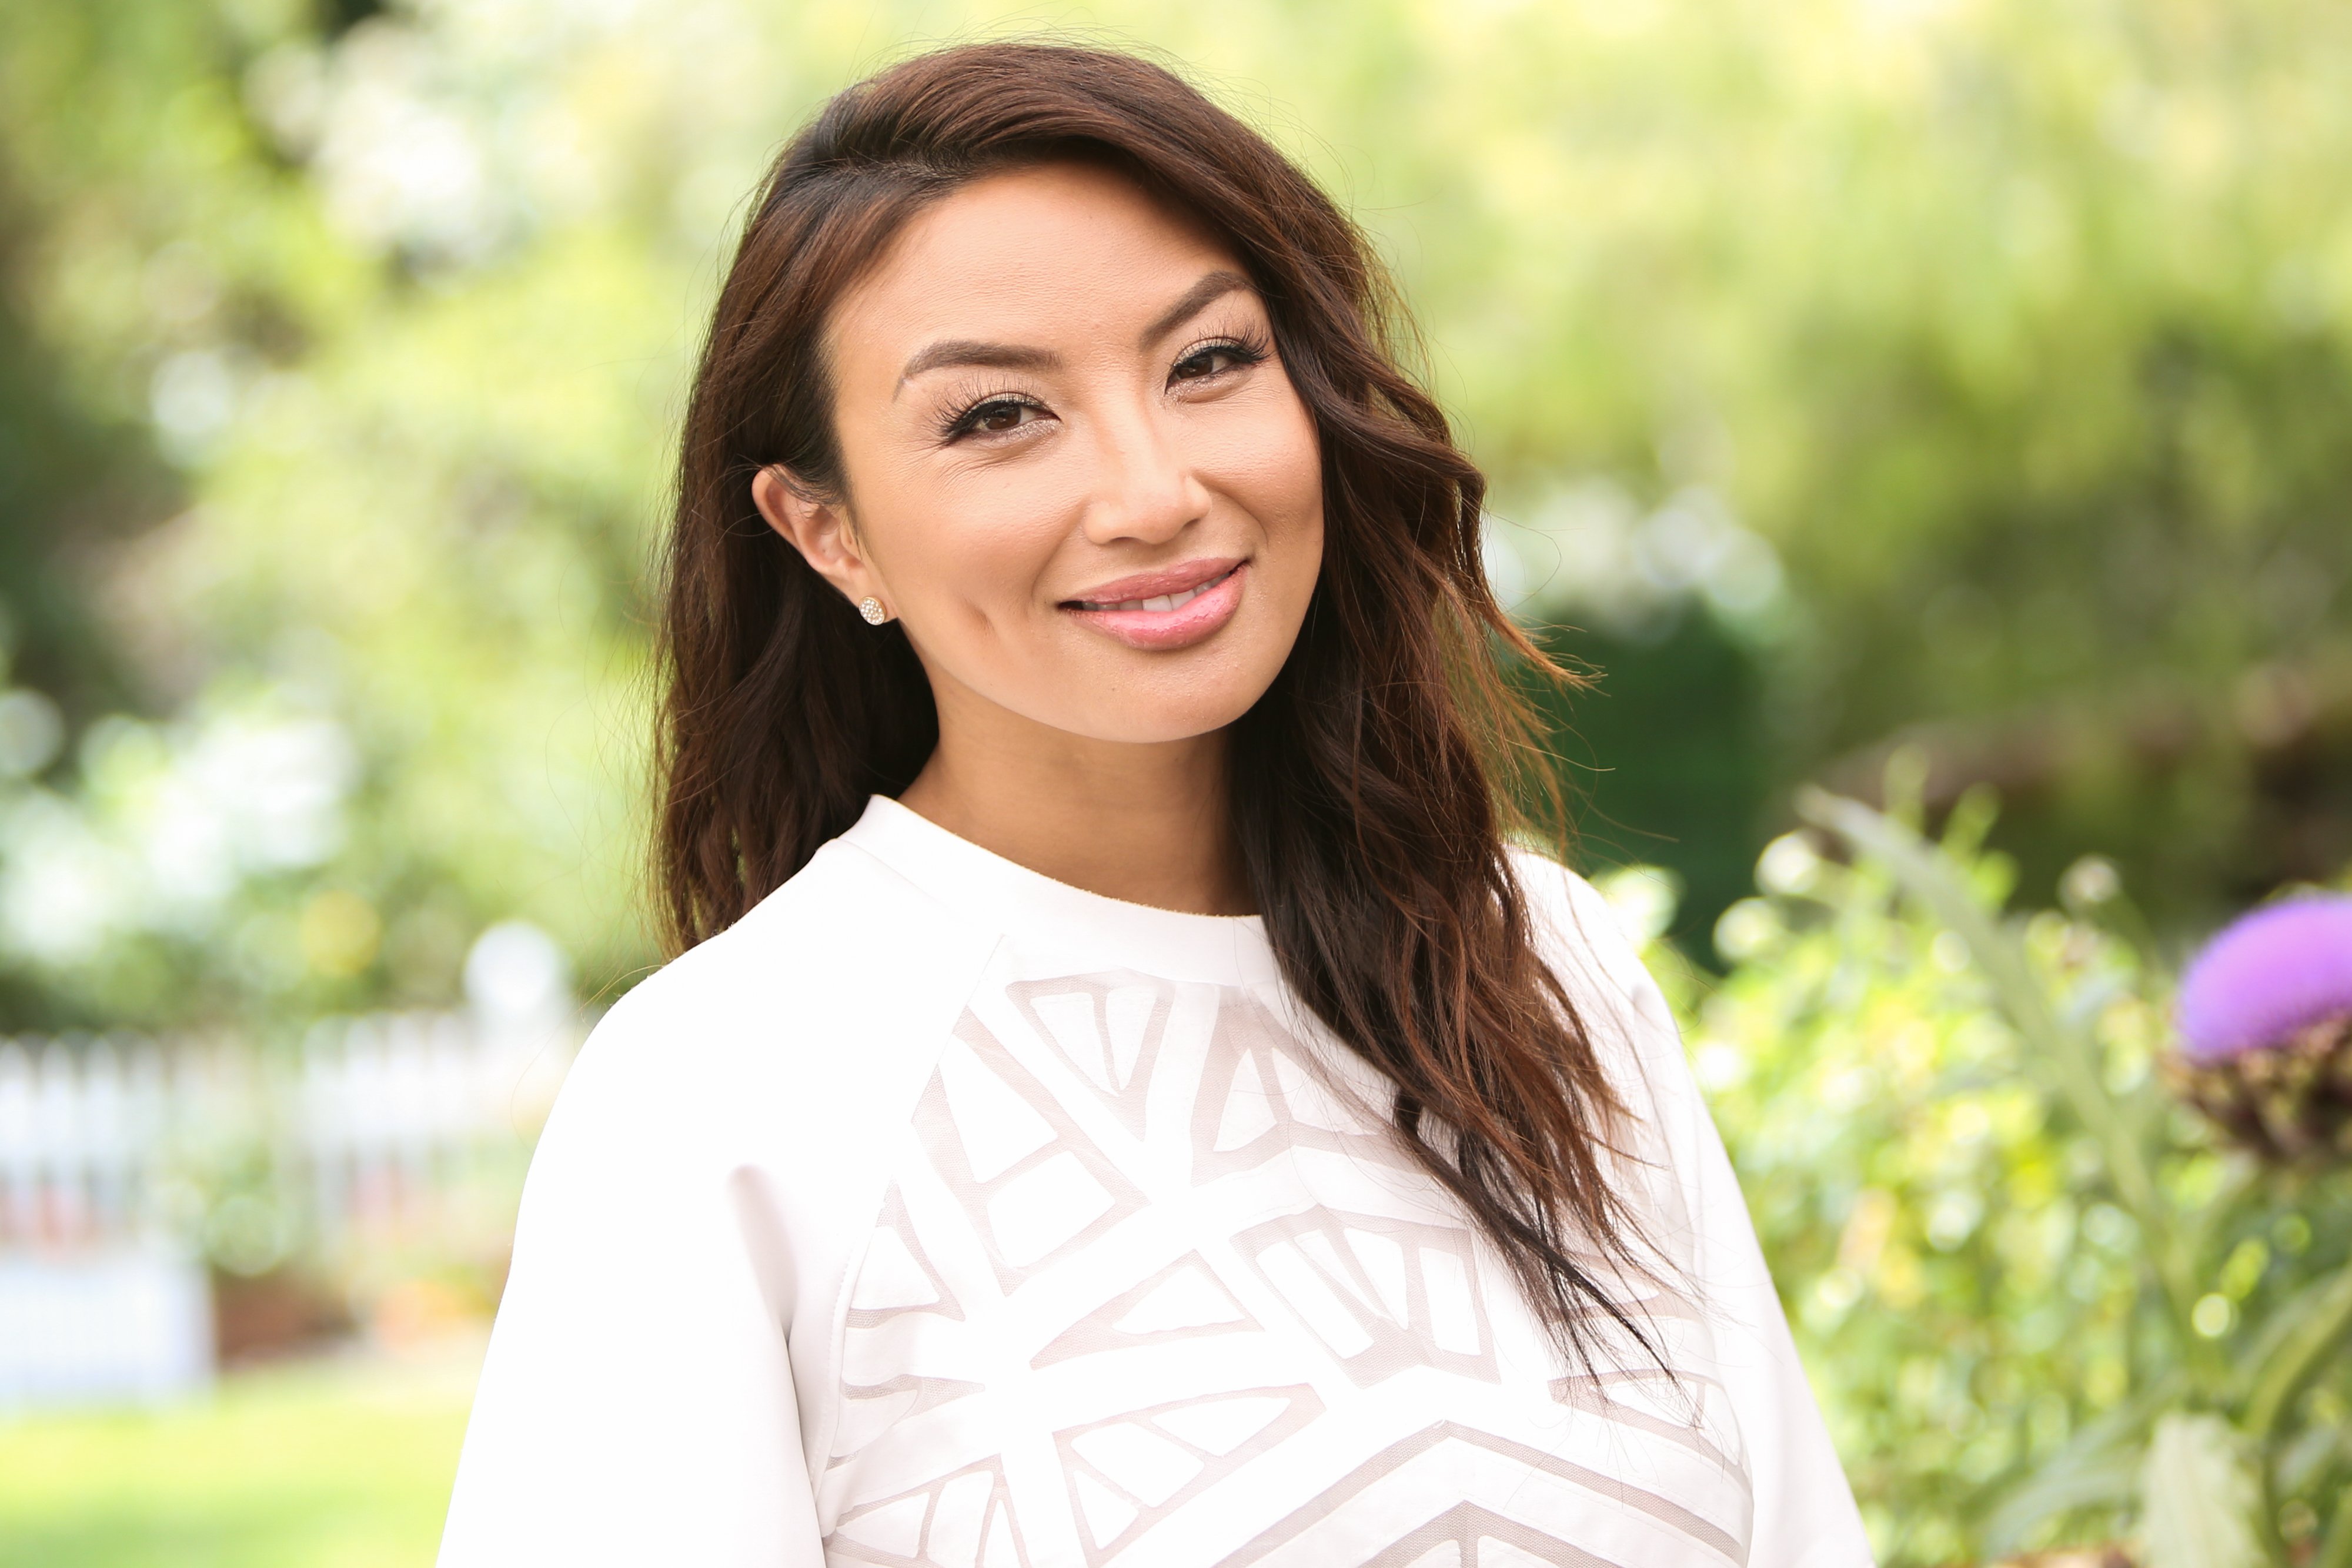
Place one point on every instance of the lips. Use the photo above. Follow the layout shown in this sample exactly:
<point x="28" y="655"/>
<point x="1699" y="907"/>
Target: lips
<point x="1155" y="590"/>
<point x="1158" y="603"/>
<point x="1156" y="611"/>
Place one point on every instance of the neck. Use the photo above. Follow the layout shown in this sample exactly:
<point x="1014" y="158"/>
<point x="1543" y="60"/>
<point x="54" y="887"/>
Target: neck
<point x="1144" y="822"/>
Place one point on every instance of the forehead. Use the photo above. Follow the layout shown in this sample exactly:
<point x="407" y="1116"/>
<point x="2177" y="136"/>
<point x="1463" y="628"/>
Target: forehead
<point x="1048" y="256"/>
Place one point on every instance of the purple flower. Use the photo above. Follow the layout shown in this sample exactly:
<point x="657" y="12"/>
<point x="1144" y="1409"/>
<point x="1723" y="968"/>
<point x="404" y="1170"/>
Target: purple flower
<point x="2267" y="978"/>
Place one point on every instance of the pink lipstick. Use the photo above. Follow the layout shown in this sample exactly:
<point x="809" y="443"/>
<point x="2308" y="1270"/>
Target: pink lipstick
<point x="1172" y="607"/>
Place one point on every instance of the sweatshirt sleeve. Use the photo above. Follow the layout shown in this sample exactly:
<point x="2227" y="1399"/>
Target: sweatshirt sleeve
<point x="638" y="1405"/>
<point x="1805" y="1515"/>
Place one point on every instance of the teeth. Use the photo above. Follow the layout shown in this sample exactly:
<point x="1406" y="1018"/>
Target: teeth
<point x="1157" y="604"/>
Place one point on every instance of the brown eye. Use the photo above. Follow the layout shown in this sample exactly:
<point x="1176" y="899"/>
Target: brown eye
<point x="1207" y="362"/>
<point x="1212" y="359"/>
<point x="995" y="416"/>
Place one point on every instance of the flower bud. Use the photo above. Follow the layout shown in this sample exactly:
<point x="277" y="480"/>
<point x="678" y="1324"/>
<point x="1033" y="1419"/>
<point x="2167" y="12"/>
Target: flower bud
<point x="2265" y="1019"/>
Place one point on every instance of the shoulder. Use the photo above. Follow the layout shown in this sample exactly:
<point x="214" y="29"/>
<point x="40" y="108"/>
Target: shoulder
<point x="1577" y="935"/>
<point x="845" y="953"/>
<point x="1623" y="1013"/>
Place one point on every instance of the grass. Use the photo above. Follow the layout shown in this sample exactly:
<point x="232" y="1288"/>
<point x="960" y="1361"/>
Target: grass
<point x="342" y="1464"/>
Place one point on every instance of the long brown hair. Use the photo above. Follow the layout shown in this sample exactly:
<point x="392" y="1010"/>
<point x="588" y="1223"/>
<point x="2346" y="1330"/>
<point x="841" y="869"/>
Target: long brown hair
<point x="1368" y="785"/>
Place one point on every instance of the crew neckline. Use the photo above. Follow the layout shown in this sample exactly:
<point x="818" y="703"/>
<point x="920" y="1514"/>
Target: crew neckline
<point x="1037" y="912"/>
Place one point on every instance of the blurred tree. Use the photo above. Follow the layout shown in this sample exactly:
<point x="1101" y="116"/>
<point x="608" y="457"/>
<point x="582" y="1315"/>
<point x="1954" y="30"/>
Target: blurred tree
<point x="68" y="478"/>
<point x="1690" y="793"/>
<point x="156" y="258"/>
<point x="2019" y="331"/>
<point x="64" y="476"/>
<point x="1971" y="372"/>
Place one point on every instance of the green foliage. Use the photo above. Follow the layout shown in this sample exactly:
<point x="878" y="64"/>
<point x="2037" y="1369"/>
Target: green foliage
<point x="1689" y="798"/>
<point x="2000" y="1274"/>
<point x="1967" y="359"/>
<point x="2201" y="1497"/>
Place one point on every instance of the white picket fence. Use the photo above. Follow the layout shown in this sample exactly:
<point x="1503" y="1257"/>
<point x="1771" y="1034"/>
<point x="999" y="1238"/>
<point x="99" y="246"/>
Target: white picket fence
<point x="125" y="1160"/>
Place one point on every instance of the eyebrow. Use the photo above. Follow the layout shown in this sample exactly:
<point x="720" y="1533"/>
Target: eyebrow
<point x="1212" y="286"/>
<point x="951" y="352"/>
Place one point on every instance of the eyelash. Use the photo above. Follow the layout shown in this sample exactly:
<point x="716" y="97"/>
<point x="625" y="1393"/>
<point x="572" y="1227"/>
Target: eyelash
<point x="1246" y="349"/>
<point x="966" y="420"/>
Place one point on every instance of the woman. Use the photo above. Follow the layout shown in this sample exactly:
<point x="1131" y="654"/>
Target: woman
<point x="1119" y="1098"/>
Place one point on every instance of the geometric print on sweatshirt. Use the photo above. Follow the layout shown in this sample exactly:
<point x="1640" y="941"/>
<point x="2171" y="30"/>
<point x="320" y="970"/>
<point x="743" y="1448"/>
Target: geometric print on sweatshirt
<point x="1153" y="1285"/>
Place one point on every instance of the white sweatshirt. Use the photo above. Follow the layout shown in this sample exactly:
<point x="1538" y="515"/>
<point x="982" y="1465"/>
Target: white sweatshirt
<point x="939" y="1213"/>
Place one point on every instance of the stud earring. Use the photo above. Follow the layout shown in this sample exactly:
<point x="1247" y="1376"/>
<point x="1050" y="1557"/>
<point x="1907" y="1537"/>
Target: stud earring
<point x="871" y="608"/>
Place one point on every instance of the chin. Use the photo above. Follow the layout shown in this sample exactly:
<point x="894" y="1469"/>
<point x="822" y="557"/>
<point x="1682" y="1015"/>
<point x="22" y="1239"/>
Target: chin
<point x="1159" y="729"/>
<point x="1146" y="717"/>
<point x="1146" y="699"/>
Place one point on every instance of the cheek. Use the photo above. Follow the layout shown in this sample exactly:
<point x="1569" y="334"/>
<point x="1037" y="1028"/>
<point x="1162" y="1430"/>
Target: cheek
<point x="961" y="551"/>
<point x="1277" y="472"/>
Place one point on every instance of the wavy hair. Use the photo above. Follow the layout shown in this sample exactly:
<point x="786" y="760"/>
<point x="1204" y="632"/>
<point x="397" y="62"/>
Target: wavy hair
<point x="1373" y="783"/>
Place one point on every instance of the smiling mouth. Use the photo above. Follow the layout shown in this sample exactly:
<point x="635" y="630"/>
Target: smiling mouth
<point x="1158" y="603"/>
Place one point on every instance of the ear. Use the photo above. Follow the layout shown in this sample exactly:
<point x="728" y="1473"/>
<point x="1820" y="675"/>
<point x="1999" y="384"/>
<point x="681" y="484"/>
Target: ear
<point x="819" y="530"/>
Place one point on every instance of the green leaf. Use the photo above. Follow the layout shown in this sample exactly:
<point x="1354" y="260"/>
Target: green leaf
<point x="2102" y="1465"/>
<point x="2198" y="1497"/>
<point x="2108" y="1479"/>
<point x="2297" y="1343"/>
<point x="2065" y="1057"/>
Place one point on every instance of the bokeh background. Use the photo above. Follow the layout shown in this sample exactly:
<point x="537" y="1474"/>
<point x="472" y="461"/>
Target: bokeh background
<point x="1946" y="402"/>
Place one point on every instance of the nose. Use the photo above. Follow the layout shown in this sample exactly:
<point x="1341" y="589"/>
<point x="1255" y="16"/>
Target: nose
<point x="1145" y="489"/>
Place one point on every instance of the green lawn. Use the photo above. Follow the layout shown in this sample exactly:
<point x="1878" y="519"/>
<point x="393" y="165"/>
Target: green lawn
<point x="332" y="1465"/>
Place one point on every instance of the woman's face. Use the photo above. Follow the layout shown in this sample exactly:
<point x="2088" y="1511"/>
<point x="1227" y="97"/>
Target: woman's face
<point x="1076" y="469"/>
